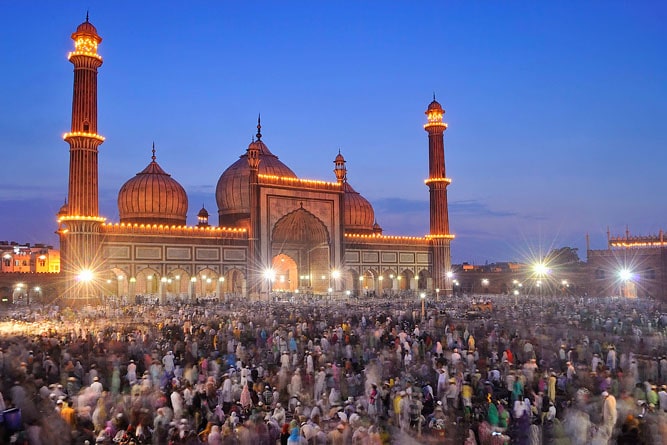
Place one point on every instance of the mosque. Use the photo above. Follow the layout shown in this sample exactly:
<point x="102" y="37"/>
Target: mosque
<point x="276" y="232"/>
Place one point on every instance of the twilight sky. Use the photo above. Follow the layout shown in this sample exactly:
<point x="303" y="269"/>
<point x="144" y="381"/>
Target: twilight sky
<point x="557" y="111"/>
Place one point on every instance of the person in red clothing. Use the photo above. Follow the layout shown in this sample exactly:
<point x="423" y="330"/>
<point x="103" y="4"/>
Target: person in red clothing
<point x="507" y="355"/>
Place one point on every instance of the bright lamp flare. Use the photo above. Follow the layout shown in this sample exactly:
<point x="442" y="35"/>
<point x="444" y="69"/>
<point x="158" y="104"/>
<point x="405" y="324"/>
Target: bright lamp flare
<point x="625" y="274"/>
<point x="86" y="275"/>
<point x="269" y="274"/>
<point x="540" y="269"/>
<point x="335" y="274"/>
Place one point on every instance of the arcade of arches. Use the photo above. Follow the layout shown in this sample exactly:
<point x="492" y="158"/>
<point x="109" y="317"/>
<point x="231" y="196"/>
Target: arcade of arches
<point x="177" y="284"/>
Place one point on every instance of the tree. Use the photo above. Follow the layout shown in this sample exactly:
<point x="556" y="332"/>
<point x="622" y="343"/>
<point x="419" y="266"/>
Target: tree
<point x="565" y="256"/>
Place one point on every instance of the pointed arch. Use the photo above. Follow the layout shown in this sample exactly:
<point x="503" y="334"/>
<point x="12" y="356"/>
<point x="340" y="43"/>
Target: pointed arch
<point x="304" y="238"/>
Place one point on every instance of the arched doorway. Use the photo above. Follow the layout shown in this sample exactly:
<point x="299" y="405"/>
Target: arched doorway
<point x="303" y="239"/>
<point x="424" y="278"/>
<point x="234" y="284"/>
<point x="147" y="282"/>
<point x="404" y="279"/>
<point x="285" y="274"/>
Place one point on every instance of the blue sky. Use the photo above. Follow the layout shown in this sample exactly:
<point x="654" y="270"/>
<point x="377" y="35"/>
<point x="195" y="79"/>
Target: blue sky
<point x="556" y="110"/>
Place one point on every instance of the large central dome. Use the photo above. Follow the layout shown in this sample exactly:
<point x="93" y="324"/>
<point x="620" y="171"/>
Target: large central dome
<point x="233" y="191"/>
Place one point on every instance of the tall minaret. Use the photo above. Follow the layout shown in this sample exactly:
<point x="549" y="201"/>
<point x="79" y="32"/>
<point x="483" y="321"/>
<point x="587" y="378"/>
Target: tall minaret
<point x="80" y="221"/>
<point x="437" y="183"/>
<point x="256" y="267"/>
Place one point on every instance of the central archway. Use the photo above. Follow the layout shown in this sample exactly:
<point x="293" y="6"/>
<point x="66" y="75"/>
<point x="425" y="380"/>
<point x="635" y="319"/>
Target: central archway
<point x="285" y="270"/>
<point x="304" y="239"/>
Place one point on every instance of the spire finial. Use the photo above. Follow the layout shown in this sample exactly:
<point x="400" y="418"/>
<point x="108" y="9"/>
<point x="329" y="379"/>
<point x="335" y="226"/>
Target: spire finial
<point x="259" y="127"/>
<point x="86" y="16"/>
<point x="153" y="157"/>
<point x="434" y="96"/>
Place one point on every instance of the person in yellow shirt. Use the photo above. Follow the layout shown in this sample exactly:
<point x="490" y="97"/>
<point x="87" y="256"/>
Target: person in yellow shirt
<point x="397" y="407"/>
<point x="551" y="387"/>
<point x="68" y="415"/>
<point x="466" y="396"/>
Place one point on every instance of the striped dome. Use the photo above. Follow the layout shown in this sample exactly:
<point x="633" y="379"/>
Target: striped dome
<point x="359" y="214"/>
<point x="153" y="197"/>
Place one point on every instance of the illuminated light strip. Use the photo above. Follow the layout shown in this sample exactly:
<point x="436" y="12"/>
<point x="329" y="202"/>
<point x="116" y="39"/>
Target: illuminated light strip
<point x="435" y="124"/>
<point x="75" y="134"/>
<point x="84" y="53"/>
<point x="297" y="180"/>
<point x="446" y="236"/>
<point x="387" y="237"/>
<point x="430" y="180"/>
<point x="81" y="218"/>
<point x="174" y="227"/>
<point x="638" y="244"/>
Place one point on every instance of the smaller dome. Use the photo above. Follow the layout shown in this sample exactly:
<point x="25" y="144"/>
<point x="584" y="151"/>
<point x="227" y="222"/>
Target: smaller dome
<point x="339" y="158"/>
<point x="203" y="213"/>
<point x="377" y="228"/>
<point x="435" y="105"/>
<point x="153" y="197"/>
<point x="359" y="214"/>
<point x="86" y="29"/>
<point x="64" y="209"/>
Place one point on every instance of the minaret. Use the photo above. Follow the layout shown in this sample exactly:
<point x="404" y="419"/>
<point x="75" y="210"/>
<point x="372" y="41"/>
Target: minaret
<point x="437" y="183"/>
<point x="340" y="170"/>
<point x="254" y="247"/>
<point x="80" y="233"/>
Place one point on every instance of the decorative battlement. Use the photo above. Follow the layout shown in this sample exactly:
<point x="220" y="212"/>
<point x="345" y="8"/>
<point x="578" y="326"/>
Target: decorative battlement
<point x="436" y="124"/>
<point x="443" y="236"/>
<point x="174" y="230"/>
<point x="81" y="134"/>
<point x="94" y="55"/>
<point x="433" y="180"/>
<point x="65" y="218"/>
<point x="637" y="241"/>
<point x="297" y="182"/>
<point x="375" y="237"/>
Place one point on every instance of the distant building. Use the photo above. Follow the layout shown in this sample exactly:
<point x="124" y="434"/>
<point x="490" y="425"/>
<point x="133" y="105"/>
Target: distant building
<point x="24" y="258"/>
<point x="630" y="266"/>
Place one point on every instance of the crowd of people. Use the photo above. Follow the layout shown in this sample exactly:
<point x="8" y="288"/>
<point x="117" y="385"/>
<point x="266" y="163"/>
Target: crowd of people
<point x="564" y="371"/>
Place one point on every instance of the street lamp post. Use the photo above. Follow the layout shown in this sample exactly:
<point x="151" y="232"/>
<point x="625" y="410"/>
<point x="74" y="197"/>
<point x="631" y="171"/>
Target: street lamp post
<point x="118" y="284"/>
<point x="437" y="294"/>
<point x="485" y="285"/>
<point x="269" y="276"/>
<point x="163" y="290"/>
<point x="149" y="284"/>
<point x="448" y="282"/>
<point x="219" y="290"/>
<point x="380" y="278"/>
<point x="193" y="289"/>
<point x="422" y="296"/>
<point x="335" y="277"/>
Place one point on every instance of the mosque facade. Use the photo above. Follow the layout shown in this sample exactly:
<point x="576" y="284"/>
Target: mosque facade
<point x="276" y="233"/>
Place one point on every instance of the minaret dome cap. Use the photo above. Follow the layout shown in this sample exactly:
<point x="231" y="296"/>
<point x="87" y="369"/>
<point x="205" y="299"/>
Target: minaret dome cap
<point x="435" y="105"/>
<point x="86" y="29"/>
